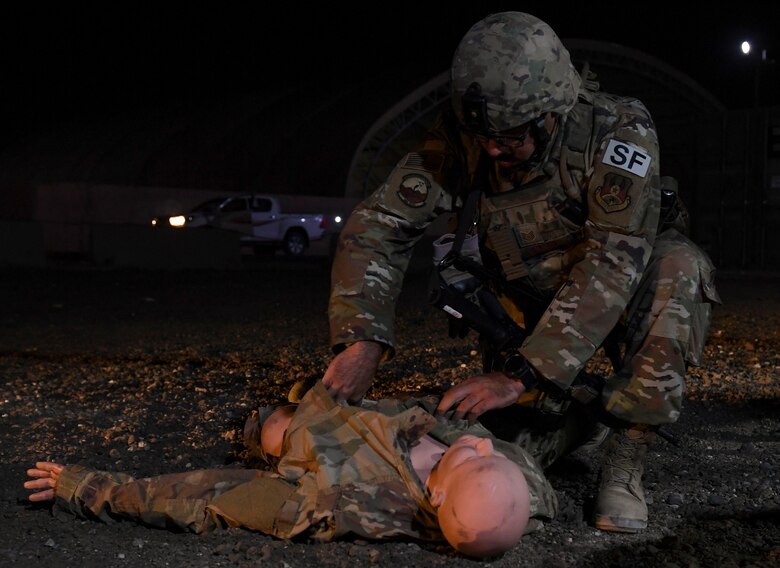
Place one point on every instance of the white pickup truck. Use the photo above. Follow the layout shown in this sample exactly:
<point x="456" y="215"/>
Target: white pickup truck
<point x="259" y="218"/>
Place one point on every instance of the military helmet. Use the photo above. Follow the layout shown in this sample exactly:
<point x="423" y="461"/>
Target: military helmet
<point x="511" y="68"/>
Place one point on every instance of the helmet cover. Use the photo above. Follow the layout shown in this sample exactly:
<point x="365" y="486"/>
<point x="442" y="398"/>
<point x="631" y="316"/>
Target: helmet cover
<point x="512" y="69"/>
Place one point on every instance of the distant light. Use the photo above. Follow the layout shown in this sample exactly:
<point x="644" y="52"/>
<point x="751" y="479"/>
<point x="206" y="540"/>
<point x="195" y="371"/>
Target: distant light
<point x="337" y="218"/>
<point x="177" y="221"/>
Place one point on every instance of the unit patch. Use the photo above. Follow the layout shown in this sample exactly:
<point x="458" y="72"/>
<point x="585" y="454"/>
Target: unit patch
<point x="528" y="234"/>
<point x="613" y="194"/>
<point x="627" y="157"/>
<point x="414" y="190"/>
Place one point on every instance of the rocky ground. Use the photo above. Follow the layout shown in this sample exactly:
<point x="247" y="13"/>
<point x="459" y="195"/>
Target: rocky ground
<point x="154" y="372"/>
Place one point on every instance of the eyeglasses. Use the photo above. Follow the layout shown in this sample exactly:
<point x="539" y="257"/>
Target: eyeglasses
<point x="504" y="141"/>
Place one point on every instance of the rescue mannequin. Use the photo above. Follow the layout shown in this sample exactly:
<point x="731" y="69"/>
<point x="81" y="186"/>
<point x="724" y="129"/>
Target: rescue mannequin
<point x="481" y="496"/>
<point x="386" y="476"/>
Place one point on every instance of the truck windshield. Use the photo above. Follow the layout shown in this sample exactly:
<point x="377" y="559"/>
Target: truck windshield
<point x="208" y="206"/>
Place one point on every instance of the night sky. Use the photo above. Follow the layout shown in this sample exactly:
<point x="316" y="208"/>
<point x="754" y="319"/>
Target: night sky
<point x="70" y="64"/>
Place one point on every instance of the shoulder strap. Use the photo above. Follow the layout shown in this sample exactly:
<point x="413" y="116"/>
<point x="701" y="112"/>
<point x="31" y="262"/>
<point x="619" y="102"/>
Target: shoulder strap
<point x="466" y="215"/>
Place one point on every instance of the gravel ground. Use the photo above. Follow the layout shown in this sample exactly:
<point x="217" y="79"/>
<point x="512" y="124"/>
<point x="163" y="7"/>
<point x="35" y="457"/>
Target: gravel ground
<point x="154" y="372"/>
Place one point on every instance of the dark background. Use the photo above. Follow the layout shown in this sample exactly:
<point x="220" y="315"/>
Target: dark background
<point x="85" y="61"/>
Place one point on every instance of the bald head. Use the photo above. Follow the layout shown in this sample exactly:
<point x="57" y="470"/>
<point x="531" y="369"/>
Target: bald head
<point x="274" y="427"/>
<point x="482" y="498"/>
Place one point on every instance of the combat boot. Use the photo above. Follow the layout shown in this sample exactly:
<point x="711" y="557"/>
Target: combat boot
<point x="620" y="505"/>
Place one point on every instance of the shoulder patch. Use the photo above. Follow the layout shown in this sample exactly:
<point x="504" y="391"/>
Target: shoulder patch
<point x="626" y="156"/>
<point x="612" y="195"/>
<point x="414" y="190"/>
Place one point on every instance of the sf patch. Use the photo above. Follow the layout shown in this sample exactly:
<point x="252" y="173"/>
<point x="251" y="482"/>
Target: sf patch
<point x="612" y="195"/>
<point x="414" y="190"/>
<point x="627" y="157"/>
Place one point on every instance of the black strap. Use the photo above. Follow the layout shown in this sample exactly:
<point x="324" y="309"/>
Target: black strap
<point x="470" y="206"/>
<point x="465" y="219"/>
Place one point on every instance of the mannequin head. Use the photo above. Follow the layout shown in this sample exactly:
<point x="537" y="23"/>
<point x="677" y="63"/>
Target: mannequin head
<point x="481" y="497"/>
<point x="273" y="429"/>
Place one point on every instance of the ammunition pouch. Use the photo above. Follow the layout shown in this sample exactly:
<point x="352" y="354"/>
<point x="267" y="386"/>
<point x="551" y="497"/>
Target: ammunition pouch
<point x="550" y="406"/>
<point x="548" y="410"/>
<point x="586" y="388"/>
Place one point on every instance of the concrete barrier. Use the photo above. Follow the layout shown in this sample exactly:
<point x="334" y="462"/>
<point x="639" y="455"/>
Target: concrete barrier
<point x="22" y="244"/>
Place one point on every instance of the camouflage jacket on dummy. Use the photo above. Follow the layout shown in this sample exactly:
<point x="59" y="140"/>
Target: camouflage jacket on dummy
<point x="344" y="470"/>
<point x="577" y="232"/>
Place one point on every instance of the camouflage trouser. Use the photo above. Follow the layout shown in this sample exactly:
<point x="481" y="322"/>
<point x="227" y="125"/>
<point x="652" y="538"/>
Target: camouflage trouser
<point x="545" y="427"/>
<point x="663" y="330"/>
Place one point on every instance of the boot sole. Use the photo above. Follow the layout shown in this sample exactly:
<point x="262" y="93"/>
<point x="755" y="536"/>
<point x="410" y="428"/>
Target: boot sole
<point x="617" y="524"/>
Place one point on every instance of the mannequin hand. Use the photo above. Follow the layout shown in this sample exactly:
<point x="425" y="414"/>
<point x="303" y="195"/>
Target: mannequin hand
<point x="45" y="476"/>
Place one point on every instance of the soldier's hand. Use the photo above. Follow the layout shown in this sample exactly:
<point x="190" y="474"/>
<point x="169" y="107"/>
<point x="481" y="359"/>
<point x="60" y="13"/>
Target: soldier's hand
<point x="45" y="477"/>
<point x="479" y="394"/>
<point x="351" y="372"/>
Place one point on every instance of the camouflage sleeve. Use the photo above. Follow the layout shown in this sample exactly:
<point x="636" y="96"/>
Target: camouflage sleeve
<point x="174" y="501"/>
<point x="623" y="193"/>
<point x="81" y="491"/>
<point x="376" y="245"/>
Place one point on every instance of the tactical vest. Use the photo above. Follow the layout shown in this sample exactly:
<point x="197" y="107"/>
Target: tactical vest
<point x="532" y="232"/>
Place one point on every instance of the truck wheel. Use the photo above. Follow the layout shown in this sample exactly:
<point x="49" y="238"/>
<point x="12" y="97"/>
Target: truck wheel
<point x="295" y="243"/>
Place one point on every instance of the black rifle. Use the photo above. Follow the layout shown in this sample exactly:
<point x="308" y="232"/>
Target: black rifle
<point x="501" y="338"/>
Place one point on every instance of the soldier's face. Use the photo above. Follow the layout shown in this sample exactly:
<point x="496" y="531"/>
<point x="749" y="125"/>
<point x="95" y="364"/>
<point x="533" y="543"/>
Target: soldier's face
<point x="514" y="147"/>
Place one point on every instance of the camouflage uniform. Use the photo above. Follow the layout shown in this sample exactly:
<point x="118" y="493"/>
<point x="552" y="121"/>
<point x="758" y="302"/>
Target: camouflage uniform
<point x="577" y="242"/>
<point x="344" y="470"/>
